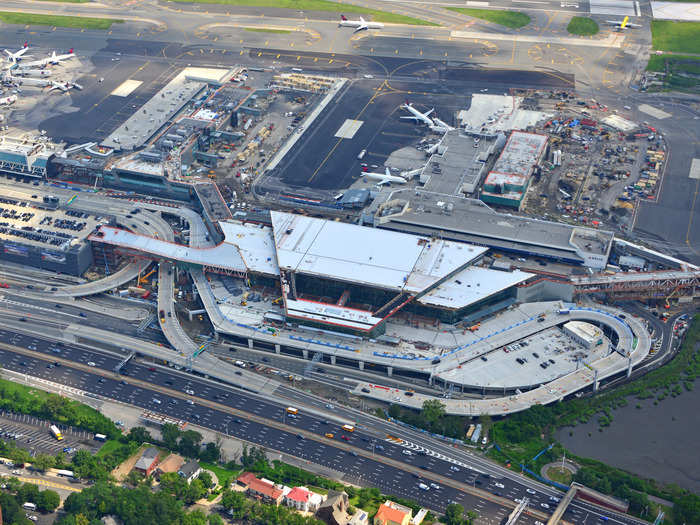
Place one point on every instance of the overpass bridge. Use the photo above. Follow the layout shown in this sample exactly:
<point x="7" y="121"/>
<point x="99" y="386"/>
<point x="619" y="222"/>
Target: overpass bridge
<point x="659" y="284"/>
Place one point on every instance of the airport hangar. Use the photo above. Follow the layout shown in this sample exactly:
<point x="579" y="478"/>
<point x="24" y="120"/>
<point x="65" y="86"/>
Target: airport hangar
<point x="340" y="277"/>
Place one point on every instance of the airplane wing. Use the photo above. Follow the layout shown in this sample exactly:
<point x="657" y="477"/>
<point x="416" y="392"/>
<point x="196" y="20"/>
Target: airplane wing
<point x="361" y="27"/>
<point x="77" y="86"/>
<point x="411" y="117"/>
<point x="386" y="170"/>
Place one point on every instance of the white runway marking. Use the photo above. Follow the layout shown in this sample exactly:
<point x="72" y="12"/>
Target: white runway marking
<point x="126" y="88"/>
<point x="348" y="129"/>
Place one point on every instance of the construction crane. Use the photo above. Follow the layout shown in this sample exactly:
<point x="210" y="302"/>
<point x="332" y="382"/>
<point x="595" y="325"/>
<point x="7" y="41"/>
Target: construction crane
<point x="144" y="279"/>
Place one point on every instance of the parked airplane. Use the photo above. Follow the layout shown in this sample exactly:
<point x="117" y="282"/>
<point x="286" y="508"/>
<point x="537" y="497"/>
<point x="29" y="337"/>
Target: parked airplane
<point x="54" y="59"/>
<point x="623" y="24"/>
<point x="63" y="86"/>
<point x="359" y="25"/>
<point x="416" y="115"/>
<point x="384" y="178"/>
<point x="6" y="101"/>
<point x="17" y="55"/>
<point x="57" y="59"/>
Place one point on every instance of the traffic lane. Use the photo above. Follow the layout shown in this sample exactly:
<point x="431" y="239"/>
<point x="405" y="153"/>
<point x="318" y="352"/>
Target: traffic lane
<point x="163" y="377"/>
<point x="358" y="468"/>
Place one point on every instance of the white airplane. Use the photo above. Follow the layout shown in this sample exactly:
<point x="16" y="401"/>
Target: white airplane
<point x="8" y="100"/>
<point x="439" y="126"/>
<point x="416" y="115"/>
<point x="623" y="24"/>
<point x="17" y="55"/>
<point x="384" y="178"/>
<point x="359" y="25"/>
<point x="57" y="59"/>
<point x="63" y="86"/>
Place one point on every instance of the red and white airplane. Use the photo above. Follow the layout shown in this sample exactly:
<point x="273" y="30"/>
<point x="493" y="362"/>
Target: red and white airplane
<point x="8" y="100"/>
<point x="359" y="25"/>
<point x="17" y="55"/>
<point x="54" y="59"/>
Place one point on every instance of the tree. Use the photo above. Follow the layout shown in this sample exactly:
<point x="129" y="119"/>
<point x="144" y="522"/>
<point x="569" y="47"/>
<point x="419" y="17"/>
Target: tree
<point x="687" y="509"/>
<point x="211" y="453"/>
<point x="43" y="462"/>
<point x="189" y="443"/>
<point x="454" y="514"/>
<point x="170" y="433"/>
<point x="28" y="492"/>
<point x="48" y="501"/>
<point x="395" y="411"/>
<point x="206" y="479"/>
<point x="235" y="502"/>
<point x="196" y="491"/>
<point x="215" y="519"/>
<point x="139" y="435"/>
<point x="433" y="410"/>
<point x="196" y="517"/>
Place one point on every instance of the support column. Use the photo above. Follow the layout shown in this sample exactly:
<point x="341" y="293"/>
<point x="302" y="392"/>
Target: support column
<point x="250" y="343"/>
<point x="361" y="364"/>
<point x="332" y="359"/>
<point x="389" y="371"/>
<point x="305" y="353"/>
<point x="595" y="382"/>
<point x="278" y="349"/>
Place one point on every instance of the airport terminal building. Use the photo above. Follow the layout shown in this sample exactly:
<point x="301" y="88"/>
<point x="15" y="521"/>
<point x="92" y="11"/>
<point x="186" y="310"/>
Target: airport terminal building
<point x="341" y="277"/>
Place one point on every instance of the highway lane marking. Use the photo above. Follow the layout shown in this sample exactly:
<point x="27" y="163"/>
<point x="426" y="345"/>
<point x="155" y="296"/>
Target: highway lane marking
<point x="271" y="423"/>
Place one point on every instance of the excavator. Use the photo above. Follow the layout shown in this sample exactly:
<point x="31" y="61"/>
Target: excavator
<point x="144" y="279"/>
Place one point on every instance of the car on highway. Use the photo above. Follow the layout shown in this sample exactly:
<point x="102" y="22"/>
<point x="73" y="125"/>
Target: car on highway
<point x="423" y="486"/>
<point x="190" y="402"/>
<point x="454" y="469"/>
<point x="530" y="491"/>
<point x="499" y="485"/>
<point x="189" y="391"/>
<point x="82" y="314"/>
<point x="91" y="363"/>
<point x="435" y="486"/>
<point x="554" y="499"/>
<point x="544" y="505"/>
<point x="329" y="435"/>
<point x="407" y="452"/>
<point x="346" y="438"/>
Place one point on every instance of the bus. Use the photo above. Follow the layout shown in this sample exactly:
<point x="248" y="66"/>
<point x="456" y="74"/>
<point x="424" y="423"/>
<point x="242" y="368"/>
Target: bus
<point x="348" y="428"/>
<point x="65" y="473"/>
<point x="100" y="437"/>
<point x="470" y="432"/>
<point x="292" y="410"/>
<point x="55" y="432"/>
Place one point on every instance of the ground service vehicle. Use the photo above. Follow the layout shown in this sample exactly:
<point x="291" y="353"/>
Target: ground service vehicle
<point x="55" y="432"/>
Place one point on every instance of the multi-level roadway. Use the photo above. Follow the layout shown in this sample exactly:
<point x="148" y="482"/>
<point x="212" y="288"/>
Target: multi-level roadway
<point x="462" y="476"/>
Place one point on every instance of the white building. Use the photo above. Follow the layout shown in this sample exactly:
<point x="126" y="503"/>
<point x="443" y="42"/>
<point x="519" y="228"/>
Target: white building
<point x="583" y="333"/>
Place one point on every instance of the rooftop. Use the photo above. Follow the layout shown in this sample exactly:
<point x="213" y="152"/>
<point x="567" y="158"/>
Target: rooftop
<point x="380" y="258"/>
<point x="521" y="153"/>
<point x="392" y="512"/>
<point x="471" y="220"/>
<point x="300" y="494"/>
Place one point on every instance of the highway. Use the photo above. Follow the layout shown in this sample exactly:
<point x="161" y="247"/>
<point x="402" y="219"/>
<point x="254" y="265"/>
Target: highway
<point x="259" y="420"/>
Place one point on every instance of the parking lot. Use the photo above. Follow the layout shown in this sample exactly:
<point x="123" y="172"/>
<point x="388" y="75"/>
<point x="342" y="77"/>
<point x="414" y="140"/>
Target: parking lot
<point x="33" y="434"/>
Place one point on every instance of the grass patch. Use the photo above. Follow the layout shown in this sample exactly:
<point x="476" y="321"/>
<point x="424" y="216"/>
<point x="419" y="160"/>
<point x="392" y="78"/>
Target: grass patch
<point x="677" y="37"/>
<point x="109" y="447"/>
<point x="321" y="5"/>
<point x="512" y="19"/>
<point x="583" y="26"/>
<point x="682" y="74"/>
<point x="560" y="475"/>
<point x="267" y="30"/>
<point x="77" y="22"/>
<point x="224" y="475"/>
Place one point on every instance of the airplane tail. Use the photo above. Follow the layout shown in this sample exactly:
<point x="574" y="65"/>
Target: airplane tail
<point x="343" y="18"/>
<point x="70" y="51"/>
<point x="26" y="43"/>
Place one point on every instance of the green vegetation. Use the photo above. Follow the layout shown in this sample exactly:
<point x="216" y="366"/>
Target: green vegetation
<point x="245" y="510"/>
<point x="681" y="73"/>
<point x="224" y="475"/>
<point x="267" y="30"/>
<point x="560" y="475"/>
<point x="432" y="418"/>
<point x="25" y="400"/>
<point x="676" y="37"/>
<point x="322" y="5"/>
<point x="512" y="19"/>
<point x="17" y="494"/>
<point x="583" y="26"/>
<point x="79" y="22"/>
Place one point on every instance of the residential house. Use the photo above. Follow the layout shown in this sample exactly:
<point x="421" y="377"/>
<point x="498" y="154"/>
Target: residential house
<point x="148" y="461"/>
<point x="303" y="499"/>
<point x="170" y="464"/>
<point x="391" y="513"/>
<point x="334" y="510"/>
<point x="263" y="489"/>
<point x="190" y="471"/>
<point x="359" y="518"/>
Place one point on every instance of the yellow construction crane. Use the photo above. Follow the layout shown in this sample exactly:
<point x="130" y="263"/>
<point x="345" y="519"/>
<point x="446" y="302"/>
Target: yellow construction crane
<point x="144" y="279"/>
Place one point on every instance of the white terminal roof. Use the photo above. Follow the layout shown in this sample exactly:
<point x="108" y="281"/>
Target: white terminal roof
<point x="585" y="331"/>
<point x="471" y="285"/>
<point x="245" y="248"/>
<point x="369" y="256"/>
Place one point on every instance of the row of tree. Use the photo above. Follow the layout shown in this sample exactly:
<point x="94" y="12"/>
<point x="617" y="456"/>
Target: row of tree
<point x="24" y="400"/>
<point x="17" y="493"/>
<point x="244" y="510"/>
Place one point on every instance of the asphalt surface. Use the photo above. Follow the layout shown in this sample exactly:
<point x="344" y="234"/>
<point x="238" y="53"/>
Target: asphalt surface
<point x="363" y="469"/>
